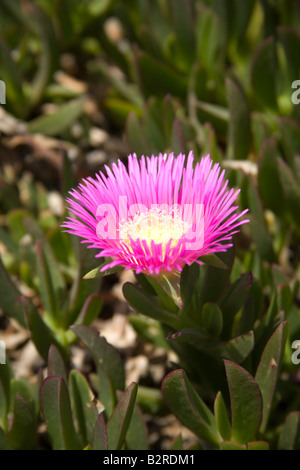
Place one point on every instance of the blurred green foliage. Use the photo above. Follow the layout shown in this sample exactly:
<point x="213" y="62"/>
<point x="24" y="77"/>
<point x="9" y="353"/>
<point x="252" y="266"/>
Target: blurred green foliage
<point x="213" y="76"/>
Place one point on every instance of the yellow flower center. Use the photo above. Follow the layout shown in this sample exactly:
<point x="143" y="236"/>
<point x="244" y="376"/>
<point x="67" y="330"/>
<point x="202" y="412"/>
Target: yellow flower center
<point x="155" y="225"/>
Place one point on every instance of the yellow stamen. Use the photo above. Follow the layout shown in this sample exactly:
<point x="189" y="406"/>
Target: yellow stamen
<point x="155" y="225"/>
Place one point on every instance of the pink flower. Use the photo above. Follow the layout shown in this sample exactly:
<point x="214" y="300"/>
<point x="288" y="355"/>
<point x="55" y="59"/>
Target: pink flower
<point x="156" y="216"/>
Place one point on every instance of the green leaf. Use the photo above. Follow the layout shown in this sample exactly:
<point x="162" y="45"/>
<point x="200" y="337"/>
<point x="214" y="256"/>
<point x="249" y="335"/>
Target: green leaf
<point x="109" y="365"/>
<point x="268" y="369"/>
<point x="81" y="288"/>
<point x="242" y="15"/>
<point x="213" y="260"/>
<point x="214" y="110"/>
<point x="10" y="297"/>
<point x="126" y="89"/>
<point x="57" y="413"/>
<point x="98" y="7"/>
<point x="150" y="400"/>
<point x="55" y="275"/>
<point x="185" y="403"/>
<point x="118" y="110"/>
<point x="23" y="432"/>
<point x="235" y="297"/>
<point x="158" y="78"/>
<point x="263" y="71"/>
<point x="290" y="130"/>
<point x="5" y="381"/>
<point x="137" y="434"/>
<point x="291" y="190"/>
<point x="261" y="238"/>
<point x="289" y="438"/>
<point x="238" y="348"/>
<point x="146" y="304"/>
<point x="95" y="273"/>
<point x="169" y="117"/>
<point x="153" y="125"/>
<point x="119" y="420"/>
<point x="215" y="281"/>
<point x="56" y="363"/>
<point x="240" y="138"/>
<point x="56" y="123"/>
<point x="177" y="139"/>
<point x="90" y="309"/>
<point x="177" y="443"/>
<point x="100" y="434"/>
<point x="183" y="24"/>
<point x="83" y="406"/>
<point x="164" y="289"/>
<point x="135" y="134"/>
<point x="41" y="334"/>
<point x="4" y="445"/>
<point x="246" y="403"/>
<point x="223" y="423"/>
<point x="195" y="337"/>
<point x="212" y="319"/>
<point x="230" y="445"/>
<point x="15" y="222"/>
<point x="207" y="39"/>
<point x="269" y="183"/>
<point x="258" y="445"/>
<point x="24" y="388"/>
<point x="149" y="330"/>
<point x="189" y="280"/>
<point x="290" y="39"/>
<point x="46" y="287"/>
<point x="13" y="81"/>
<point x="48" y="59"/>
<point x="247" y="318"/>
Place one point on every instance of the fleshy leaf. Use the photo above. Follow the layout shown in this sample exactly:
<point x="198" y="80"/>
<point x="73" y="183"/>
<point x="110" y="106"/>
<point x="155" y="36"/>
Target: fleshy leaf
<point x="213" y="260"/>
<point x="4" y="445"/>
<point x="246" y="403"/>
<point x="268" y="369"/>
<point x="235" y="297"/>
<point x="96" y="272"/>
<point x="84" y="408"/>
<point x="90" y="309"/>
<point x="119" y="420"/>
<point x="269" y="183"/>
<point x="47" y="292"/>
<point x="23" y="432"/>
<point x="5" y="382"/>
<point x="56" y="363"/>
<point x="290" y="130"/>
<point x="137" y="434"/>
<point x="237" y="349"/>
<point x="55" y="275"/>
<point x="291" y="190"/>
<point x="10" y="297"/>
<point x="223" y="423"/>
<point x="263" y="72"/>
<point x="177" y="443"/>
<point x="109" y="365"/>
<point x="100" y="434"/>
<point x="212" y="319"/>
<point x="230" y="445"/>
<point x="289" y="438"/>
<point x="143" y="303"/>
<point x="56" y="123"/>
<point x="240" y="139"/>
<point x="258" y="445"/>
<point x="57" y="413"/>
<point x="41" y="334"/>
<point x="188" y="407"/>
